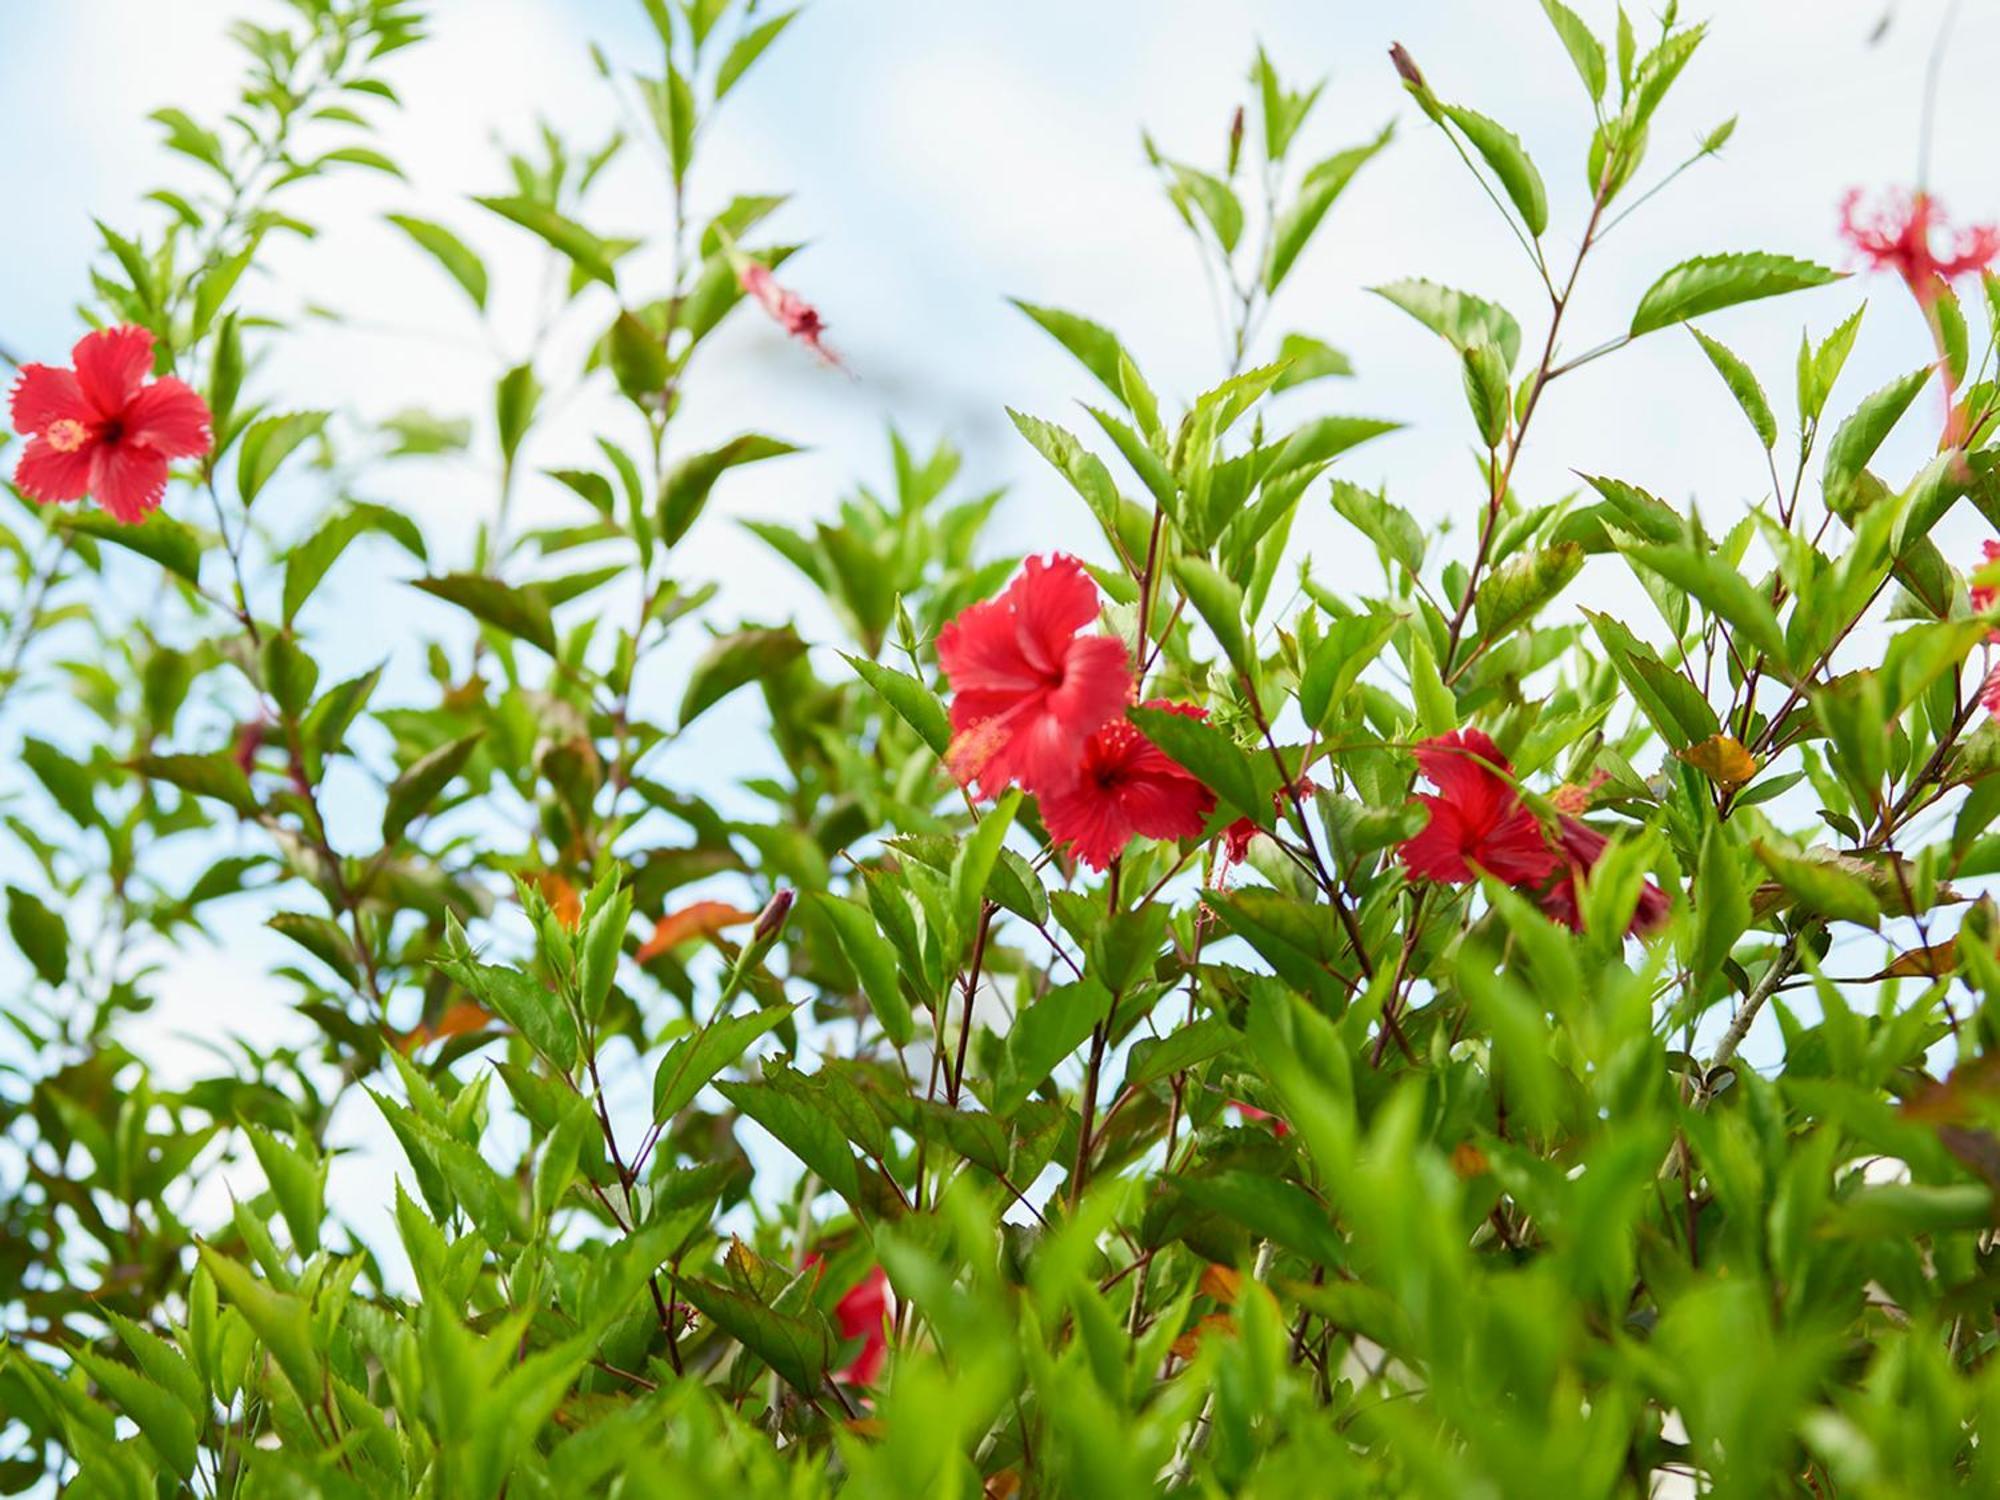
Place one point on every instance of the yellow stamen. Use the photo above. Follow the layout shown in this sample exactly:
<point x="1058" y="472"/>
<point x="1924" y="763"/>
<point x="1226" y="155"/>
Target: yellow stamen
<point x="66" y="435"/>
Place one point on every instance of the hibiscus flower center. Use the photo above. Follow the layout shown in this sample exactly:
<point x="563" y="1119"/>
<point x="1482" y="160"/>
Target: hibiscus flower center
<point x="66" y="435"/>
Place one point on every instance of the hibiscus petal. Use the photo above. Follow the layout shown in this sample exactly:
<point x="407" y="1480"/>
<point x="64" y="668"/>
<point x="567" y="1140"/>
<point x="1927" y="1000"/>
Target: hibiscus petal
<point x="169" y="418"/>
<point x="1051" y="601"/>
<point x="46" y="475"/>
<point x="129" y="483"/>
<point x="1167" y="805"/>
<point x="1436" y="851"/>
<point x="1088" y="819"/>
<point x="110" y="364"/>
<point x="1096" y="684"/>
<point x="1516" y="850"/>
<point x="45" y="394"/>
<point x="979" y="654"/>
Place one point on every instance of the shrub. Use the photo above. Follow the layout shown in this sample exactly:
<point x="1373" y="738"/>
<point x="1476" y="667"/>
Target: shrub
<point x="1142" y="1028"/>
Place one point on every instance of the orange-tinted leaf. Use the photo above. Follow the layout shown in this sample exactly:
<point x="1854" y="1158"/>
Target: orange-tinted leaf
<point x="1933" y="962"/>
<point x="1219" y="1325"/>
<point x="703" y="919"/>
<point x="1723" y="760"/>
<point x="1468" y="1161"/>
<point x="1221" y="1282"/>
<point x="561" y="896"/>
<point x="867" y="1427"/>
<point x="458" y="1020"/>
<point x="1004" y="1485"/>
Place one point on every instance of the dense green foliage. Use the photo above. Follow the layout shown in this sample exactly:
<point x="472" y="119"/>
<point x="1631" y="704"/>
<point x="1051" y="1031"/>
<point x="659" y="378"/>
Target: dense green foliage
<point x="669" y="1078"/>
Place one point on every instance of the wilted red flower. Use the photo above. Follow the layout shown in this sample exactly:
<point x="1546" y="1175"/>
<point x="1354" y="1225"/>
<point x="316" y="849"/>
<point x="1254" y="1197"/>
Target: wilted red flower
<point x="1479" y="822"/>
<point x="1582" y="846"/>
<point x="863" y="1313"/>
<point x="103" y="429"/>
<point x="1126" y="786"/>
<point x="1237" y="836"/>
<point x="1899" y="232"/>
<point x="1990" y="694"/>
<point x="1027" y="690"/>
<point x="788" y="309"/>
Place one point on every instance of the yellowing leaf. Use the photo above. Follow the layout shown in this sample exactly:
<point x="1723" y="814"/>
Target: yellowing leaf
<point x="1723" y="760"/>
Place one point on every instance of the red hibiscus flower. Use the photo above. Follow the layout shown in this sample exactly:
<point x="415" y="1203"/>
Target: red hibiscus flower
<point x="788" y="310"/>
<point x="1251" y="1113"/>
<point x="863" y="1313"/>
<point x="1990" y="694"/>
<point x="1028" y="691"/>
<point x="1478" y="823"/>
<point x="1898" y="234"/>
<point x="103" y="429"/>
<point x="1126" y="786"/>
<point x="1582" y="846"/>
<point x="1983" y="595"/>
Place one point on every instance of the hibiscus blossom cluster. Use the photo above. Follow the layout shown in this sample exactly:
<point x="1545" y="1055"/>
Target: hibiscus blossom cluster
<point x="1040" y="705"/>
<point x="1478" y="825"/>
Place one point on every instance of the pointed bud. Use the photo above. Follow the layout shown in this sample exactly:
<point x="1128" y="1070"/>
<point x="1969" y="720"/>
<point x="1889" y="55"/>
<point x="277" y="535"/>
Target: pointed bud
<point x="1235" y="140"/>
<point x="771" y="921"/>
<point x="1406" y="67"/>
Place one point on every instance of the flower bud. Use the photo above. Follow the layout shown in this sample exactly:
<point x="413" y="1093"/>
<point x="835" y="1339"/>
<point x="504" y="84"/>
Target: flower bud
<point x="771" y="920"/>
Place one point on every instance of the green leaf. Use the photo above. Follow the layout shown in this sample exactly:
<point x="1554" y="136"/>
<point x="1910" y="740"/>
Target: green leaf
<point x="160" y="537"/>
<point x="800" y="1348"/>
<point x="1710" y="282"/>
<point x="733" y="660"/>
<point x="603" y="942"/>
<point x="1818" y="370"/>
<point x="1585" y="51"/>
<point x="916" y="704"/>
<point x="583" y="248"/>
<point x="1706" y="576"/>
<point x="1220" y="605"/>
<point x="692" y="1063"/>
<point x="1043" y="1035"/>
<point x="533" y="1010"/>
<point x="412" y="793"/>
<point x="521" y="612"/>
<point x="1095" y="346"/>
<point x="1722" y="907"/>
<point x="297" y="1182"/>
<point x="449" y="251"/>
<point x="687" y="488"/>
<point x="1742" y="385"/>
<point x="1516" y="591"/>
<point x="1184" y="1047"/>
<point x="747" y="49"/>
<point x="1856" y="439"/>
<point x="1459" y="318"/>
<point x="1510" y="162"/>
<point x="217" y="775"/>
<point x="803" y="1129"/>
<point x="515" y="398"/>
<point x="1270" y="1209"/>
<point x="323" y="938"/>
<point x="267" y="444"/>
<point x="1383" y="522"/>
<point x="167" y="1426"/>
<point x="40" y="934"/>
<point x="282" y="1323"/>
<point x="977" y="855"/>
<point x="1322" y="185"/>
<point x="638" y="358"/>
<point x="874" y="959"/>
<point x="1486" y="392"/>
<point x="69" y="782"/>
<point x="1822" y="887"/>
<point x="1243" y="781"/>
